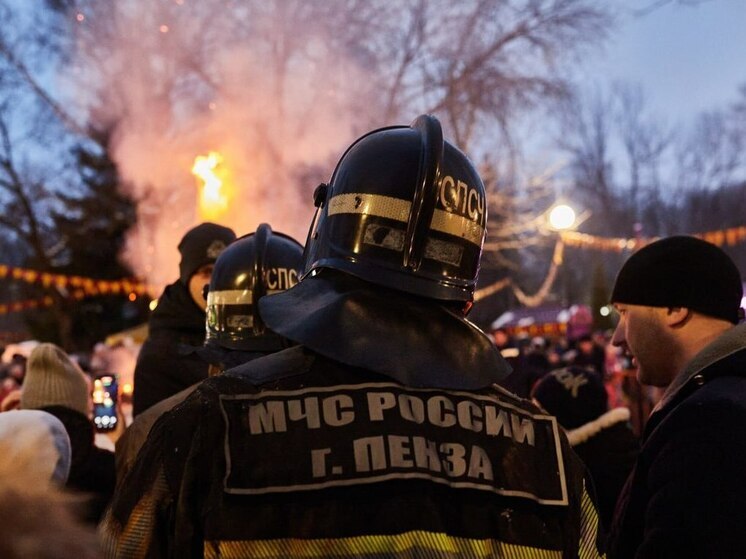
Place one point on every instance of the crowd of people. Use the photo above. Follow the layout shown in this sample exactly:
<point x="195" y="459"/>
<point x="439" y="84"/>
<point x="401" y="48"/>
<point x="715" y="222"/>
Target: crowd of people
<point x="333" y="400"/>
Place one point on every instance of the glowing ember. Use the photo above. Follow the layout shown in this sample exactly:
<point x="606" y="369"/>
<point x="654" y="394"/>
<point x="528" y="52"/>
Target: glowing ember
<point x="213" y="200"/>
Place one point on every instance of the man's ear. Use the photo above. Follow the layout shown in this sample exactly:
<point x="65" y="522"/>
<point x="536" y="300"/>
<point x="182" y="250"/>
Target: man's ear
<point x="677" y="316"/>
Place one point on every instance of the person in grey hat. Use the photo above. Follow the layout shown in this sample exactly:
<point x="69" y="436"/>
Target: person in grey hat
<point x="679" y="301"/>
<point x="383" y="433"/>
<point x="36" y="442"/>
<point x="164" y="365"/>
<point x="56" y="384"/>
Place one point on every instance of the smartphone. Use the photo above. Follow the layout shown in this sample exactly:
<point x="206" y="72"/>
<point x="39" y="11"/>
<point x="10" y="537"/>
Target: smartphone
<point x="105" y="397"/>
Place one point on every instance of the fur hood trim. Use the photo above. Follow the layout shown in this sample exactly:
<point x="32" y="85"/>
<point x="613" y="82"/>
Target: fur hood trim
<point x="585" y="432"/>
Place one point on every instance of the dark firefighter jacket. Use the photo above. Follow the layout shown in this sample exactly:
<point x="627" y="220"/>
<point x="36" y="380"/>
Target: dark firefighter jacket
<point x="296" y="456"/>
<point x="382" y="435"/>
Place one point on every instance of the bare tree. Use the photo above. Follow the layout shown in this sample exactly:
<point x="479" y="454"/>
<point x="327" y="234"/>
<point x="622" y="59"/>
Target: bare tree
<point x="28" y="201"/>
<point x="645" y="142"/>
<point x="712" y="154"/>
<point x="586" y="129"/>
<point x="254" y="76"/>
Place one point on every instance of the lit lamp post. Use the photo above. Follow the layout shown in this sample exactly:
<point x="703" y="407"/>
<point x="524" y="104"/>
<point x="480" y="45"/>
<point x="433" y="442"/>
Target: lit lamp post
<point x="562" y="217"/>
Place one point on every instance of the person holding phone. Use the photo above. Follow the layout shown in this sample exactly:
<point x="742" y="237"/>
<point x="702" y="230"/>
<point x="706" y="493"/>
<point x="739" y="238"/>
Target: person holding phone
<point x="105" y="397"/>
<point x="56" y="384"/>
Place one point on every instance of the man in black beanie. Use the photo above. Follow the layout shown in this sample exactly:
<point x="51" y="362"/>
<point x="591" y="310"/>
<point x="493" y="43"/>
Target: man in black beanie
<point x="679" y="307"/>
<point x="164" y="365"/>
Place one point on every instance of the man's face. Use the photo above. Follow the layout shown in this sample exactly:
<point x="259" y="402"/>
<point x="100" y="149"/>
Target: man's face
<point x="643" y="333"/>
<point x="586" y="347"/>
<point x="197" y="282"/>
<point x="501" y="338"/>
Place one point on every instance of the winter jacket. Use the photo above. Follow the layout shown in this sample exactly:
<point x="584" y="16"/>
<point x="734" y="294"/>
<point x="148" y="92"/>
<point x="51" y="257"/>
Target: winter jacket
<point x="295" y="456"/>
<point x="686" y="494"/>
<point x="91" y="468"/>
<point x="166" y="363"/>
<point x="382" y="435"/>
<point x="608" y="447"/>
<point x="131" y="441"/>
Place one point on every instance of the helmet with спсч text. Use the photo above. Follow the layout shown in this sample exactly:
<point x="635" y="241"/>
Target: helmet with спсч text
<point x="254" y="265"/>
<point x="404" y="209"/>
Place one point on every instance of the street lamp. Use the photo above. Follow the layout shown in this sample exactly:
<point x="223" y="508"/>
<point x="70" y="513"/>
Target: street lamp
<point x="562" y="217"/>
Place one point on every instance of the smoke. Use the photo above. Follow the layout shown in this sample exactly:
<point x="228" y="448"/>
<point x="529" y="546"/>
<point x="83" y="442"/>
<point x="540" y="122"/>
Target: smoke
<point x="251" y="80"/>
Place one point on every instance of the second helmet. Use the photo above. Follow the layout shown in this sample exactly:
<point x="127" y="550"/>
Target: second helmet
<point x="254" y="265"/>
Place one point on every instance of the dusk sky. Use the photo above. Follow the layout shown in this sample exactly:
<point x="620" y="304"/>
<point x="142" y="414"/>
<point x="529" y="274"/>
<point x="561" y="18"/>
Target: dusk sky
<point x="688" y="57"/>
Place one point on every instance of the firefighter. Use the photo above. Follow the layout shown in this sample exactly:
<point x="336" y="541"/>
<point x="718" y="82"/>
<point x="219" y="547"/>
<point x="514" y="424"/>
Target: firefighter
<point x="250" y="267"/>
<point x="382" y="434"/>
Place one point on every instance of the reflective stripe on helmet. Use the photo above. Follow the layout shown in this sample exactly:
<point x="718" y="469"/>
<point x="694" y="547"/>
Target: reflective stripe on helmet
<point x="229" y="297"/>
<point x="398" y="210"/>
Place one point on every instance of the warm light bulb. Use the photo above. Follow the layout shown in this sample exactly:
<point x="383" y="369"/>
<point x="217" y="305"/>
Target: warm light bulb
<point x="562" y="217"/>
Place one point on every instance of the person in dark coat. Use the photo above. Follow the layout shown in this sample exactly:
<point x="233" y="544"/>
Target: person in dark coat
<point x="602" y="438"/>
<point x="679" y="307"/>
<point x="589" y="354"/>
<point x="55" y="384"/>
<point x="165" y="364"/>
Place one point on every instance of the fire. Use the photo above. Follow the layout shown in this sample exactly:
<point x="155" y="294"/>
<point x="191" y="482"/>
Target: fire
<point x="213" y="197"/>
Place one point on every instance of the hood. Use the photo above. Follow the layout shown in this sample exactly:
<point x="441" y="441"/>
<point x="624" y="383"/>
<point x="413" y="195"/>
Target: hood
<point x="592" y="428"/>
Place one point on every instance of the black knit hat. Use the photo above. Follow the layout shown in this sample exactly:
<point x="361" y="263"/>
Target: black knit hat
<point x="574" y="395"/>
<point x="681" y="271"/>
<point x="202" y="245"/>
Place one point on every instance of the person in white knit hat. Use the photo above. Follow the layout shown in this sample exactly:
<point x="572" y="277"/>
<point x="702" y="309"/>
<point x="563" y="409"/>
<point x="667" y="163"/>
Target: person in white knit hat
<point x="36" y="442"/>
<point x="56" y="384"/>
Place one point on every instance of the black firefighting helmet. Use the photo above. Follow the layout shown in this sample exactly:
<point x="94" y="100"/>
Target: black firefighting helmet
<point x="404" y="209"/>
<point x="254" y="265"/>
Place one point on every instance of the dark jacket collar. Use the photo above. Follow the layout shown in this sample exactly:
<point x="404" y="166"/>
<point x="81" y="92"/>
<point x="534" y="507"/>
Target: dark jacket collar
<point x="177" y="310"/>
<point x="731" y="341"/>
<point x="724" y="356"/>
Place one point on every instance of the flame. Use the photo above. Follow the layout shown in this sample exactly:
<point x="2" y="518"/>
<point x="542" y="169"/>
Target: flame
<point x="213" y="197"/>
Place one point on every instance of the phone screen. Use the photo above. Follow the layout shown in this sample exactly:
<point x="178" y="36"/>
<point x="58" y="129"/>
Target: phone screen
<point x="105" y="395"/>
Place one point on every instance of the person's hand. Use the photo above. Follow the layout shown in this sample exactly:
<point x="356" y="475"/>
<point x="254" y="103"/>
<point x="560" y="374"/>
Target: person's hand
<point x="12" y="401"/>
<point x="115" y="433"/>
